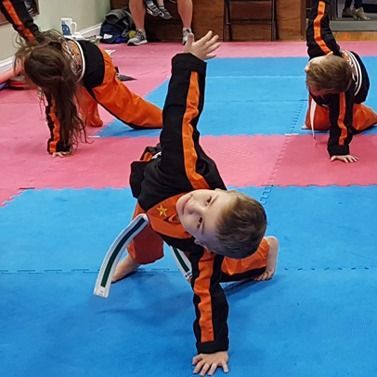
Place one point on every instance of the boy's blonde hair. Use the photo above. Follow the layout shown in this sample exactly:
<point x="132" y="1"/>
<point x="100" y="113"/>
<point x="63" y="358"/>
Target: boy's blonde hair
<point x="333" y="75"/>
<point x="241" y="227"/>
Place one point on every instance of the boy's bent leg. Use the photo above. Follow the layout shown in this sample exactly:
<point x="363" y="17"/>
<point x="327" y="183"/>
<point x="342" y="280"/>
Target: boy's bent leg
<point x="125" y="105"/>
<point x="271" y="259"/>
<point x="254" y="266"/>
<point x="146" y="247"/>
<point x="317" y="117"/>
<point x="364" y="117"/>
<point x="125" y="267"/>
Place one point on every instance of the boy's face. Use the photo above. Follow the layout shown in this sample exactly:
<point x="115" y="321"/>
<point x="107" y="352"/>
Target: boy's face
<point x="199" y="211"/>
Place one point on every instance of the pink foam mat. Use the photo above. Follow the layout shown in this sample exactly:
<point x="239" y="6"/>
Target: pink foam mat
<point x="106" y="162"/>
<point x="306" y="162"/>
<point x="7" y="194"/>
<point x="149" y="64"/>
<point x="18" y="96"/>
<point x="260" y="160"/>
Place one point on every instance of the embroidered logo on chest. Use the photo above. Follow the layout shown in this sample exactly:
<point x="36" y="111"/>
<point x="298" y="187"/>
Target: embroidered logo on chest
<point x="162" y="210"/>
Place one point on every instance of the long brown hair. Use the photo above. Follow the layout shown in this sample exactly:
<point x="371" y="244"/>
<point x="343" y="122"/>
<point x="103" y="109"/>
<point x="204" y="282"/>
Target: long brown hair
<point x="49" y="67"/>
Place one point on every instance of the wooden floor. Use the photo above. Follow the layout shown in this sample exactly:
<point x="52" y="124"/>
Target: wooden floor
<point x="356" y="36"/>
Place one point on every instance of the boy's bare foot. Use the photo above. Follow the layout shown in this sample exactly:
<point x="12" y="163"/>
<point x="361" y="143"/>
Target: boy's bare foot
<point x="271" y="259"/>
<point x="124" y="268"/>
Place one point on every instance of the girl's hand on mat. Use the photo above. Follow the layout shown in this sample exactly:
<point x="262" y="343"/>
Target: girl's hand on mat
<point x="207" y="363"/>
<point x="61" y="154"/>
<point x="348" y="158"/>
<point x="204" y="48"/>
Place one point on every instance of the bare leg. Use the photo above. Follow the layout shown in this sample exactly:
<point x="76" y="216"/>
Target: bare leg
<point x="137" y="9"/>
<point x="271" y="259"/>
<point x="124" y="268"/>
<point x="185" y="12"/>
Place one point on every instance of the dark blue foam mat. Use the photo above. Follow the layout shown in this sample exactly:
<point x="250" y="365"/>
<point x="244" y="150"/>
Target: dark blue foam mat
<point x="326" y="227"/>
<point x="301" y="323"/>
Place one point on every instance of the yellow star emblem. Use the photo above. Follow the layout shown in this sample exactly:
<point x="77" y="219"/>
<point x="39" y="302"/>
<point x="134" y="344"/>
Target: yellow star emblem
<point x="162" y="210"/>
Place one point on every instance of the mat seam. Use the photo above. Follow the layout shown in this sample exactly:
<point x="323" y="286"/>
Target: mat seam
<point x="287" y="138"/>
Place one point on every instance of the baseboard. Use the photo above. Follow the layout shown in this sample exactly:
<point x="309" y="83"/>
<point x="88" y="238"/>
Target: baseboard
<point x="7" y="63"/>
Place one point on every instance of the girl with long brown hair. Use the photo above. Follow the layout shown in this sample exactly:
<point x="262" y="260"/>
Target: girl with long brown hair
<point x="74" y="77"/>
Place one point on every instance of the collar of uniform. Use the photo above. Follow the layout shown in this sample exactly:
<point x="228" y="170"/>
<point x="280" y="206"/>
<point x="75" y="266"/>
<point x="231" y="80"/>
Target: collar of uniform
<point x="164" y="219"/>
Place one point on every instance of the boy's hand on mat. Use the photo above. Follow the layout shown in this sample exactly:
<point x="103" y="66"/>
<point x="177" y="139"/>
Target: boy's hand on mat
<point x="203" y="48"/>
<point x="61" y="154"/>
<point x="348" y="158"/>
<point x="207" y="363"/>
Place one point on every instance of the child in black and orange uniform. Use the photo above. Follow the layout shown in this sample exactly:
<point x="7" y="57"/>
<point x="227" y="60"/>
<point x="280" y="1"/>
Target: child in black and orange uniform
<point x="76" y="76"/>
<point x="338" y="82"/>
<point x="185" y="199"/>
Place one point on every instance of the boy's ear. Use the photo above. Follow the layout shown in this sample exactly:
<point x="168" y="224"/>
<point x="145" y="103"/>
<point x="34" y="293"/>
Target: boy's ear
<point x="330" y="53"/>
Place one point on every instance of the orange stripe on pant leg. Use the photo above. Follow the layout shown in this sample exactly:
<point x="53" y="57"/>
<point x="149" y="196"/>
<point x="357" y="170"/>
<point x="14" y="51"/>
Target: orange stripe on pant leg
<point x="124" y="104"/>
<point x="253" y="262"/>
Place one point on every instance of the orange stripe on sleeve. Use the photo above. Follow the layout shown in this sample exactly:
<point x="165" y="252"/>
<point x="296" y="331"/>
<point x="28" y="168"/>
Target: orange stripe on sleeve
<point x="317" y="28"/>
<point x="190" y="155"/>
<point x="202" y="289"/>
<point x="56" y="131"/>
<point x="17" y="21"/>
<point x="342" y="112"/>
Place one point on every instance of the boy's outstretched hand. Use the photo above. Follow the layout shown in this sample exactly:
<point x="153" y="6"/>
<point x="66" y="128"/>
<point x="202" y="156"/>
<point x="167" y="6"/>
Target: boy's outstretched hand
<point x="203" y="48"/>
<point x="207" y="363"/>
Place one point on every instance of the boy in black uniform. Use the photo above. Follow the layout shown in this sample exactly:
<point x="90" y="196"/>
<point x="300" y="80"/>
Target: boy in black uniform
<point x="185" y="199"/>
<point x="338" y="82"/>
